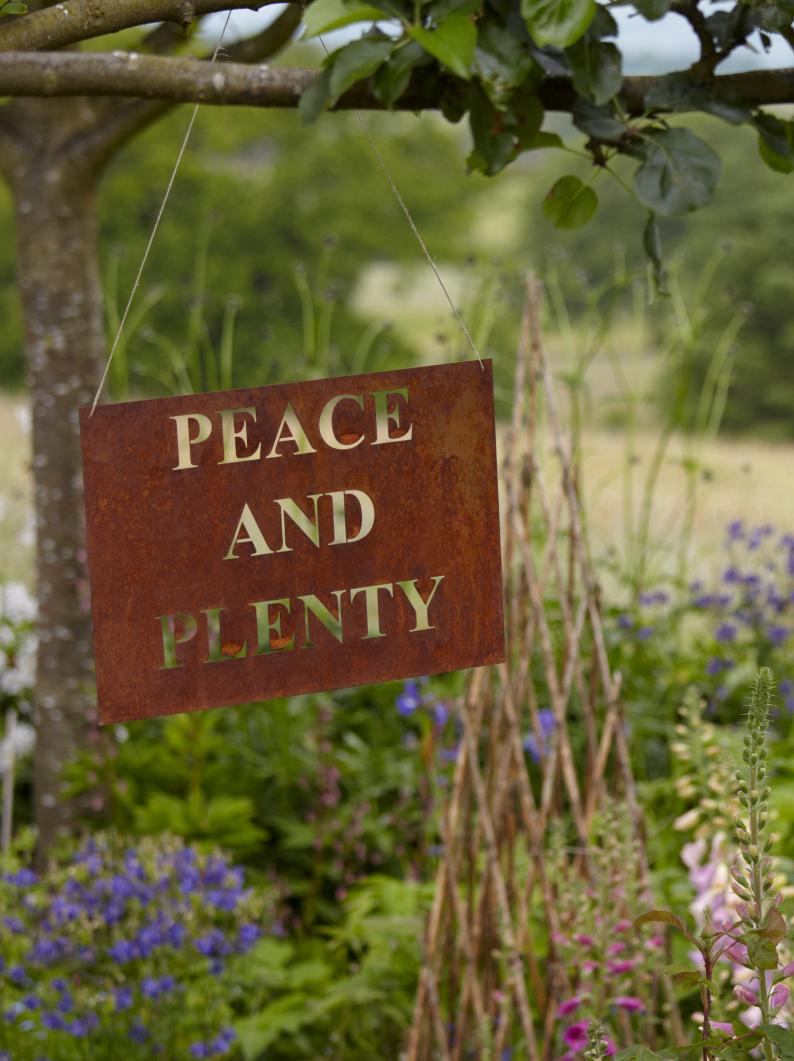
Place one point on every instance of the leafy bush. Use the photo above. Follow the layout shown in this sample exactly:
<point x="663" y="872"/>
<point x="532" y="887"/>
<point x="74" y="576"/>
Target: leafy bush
<point x="144" y="946"/>
<point x="315" y="792"/>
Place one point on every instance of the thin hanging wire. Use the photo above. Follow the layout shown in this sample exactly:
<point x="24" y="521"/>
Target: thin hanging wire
<point x="418" y="234"/>
<point x="155" y="227"/>
<point x="389" y="177"/>
<point x="412" y="224"/>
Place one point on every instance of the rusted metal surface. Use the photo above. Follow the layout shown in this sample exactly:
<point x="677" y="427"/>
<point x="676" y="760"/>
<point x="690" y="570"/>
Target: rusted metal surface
<point x="181" y="571"/>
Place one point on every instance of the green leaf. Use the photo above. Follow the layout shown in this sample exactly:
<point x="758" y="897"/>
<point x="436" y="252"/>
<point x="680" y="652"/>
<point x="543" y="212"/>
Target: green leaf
<point x="679" y="174"/>
<point x="761" y="952"/>
<point x="452" y="43"/>
<point x="316" y="97"/>
<point x="502" y="61"/>
<point x="355" y="62"/>
<point x="570" y="204"/>
<point x="13" y="7"/>
<point x="392" y="79"/>
<point x="782" y="1038"/>
<point x="557" y="23"/>
<point x="652" y="9"/>
<point x="494" y="142"/>
<point x="652" y="243"/>
<point x="664" y="917"/>
<point x="775" y="15"/>
<point x="598" y="122"/>
<point x="773" y="926"/>
<point x="683" y="975"/>
<point x="325" y="15"/>
<point x="678" y="92"/>
<point x="542" y="141"/>
<point x="775" y="142"/>
<point x="526" y="112"/>
<point x="441" y="9"/>
<point x="597" y="69"/>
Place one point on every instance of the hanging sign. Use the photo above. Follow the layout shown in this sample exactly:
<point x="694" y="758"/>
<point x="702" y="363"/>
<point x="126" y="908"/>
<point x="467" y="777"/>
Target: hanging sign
<point x="250" y="544"/>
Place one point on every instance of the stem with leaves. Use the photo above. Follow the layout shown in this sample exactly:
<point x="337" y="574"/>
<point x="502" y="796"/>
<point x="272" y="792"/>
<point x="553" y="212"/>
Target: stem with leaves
<point x="754" y="876"/>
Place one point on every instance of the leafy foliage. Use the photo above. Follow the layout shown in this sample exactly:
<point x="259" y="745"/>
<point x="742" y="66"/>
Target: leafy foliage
<point x="494" y="60"/>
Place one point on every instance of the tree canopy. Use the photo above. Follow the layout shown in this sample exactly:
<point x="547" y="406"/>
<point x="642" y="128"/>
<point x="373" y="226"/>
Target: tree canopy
<point x="501" y="63"/>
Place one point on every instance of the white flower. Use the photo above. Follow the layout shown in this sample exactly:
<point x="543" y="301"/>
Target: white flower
<point x="22" y="675"/>
<point x="24" y="742"/>
<point x="17" y="604"/>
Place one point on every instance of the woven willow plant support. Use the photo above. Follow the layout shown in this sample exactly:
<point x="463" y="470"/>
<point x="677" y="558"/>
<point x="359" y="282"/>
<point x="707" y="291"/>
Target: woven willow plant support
<point x="485" y="980"/>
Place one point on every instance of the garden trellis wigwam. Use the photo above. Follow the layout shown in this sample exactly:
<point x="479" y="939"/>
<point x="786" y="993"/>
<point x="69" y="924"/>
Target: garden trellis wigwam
<point x="397" y="582"/>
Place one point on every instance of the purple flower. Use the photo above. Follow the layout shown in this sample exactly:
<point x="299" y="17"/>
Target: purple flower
<point x="735" y="530"/>
<point x="223" y="1040"/>
<point x="54" y="1022"/>
<point x="624" y="965"/>
<point x="124" y="998"/>
<point x="634" y="1005"/>
<point x="82" y="1026"/>
<point x="644" y="633"/>
<point x="657" y="596"/>
<point x="547" y="723"/>
<point x="576" y="1035"/>
<point x="65" y="1003"/>
<point x="123" y="951"/>
<point x="23" y="878"/>
<point x="213" y="944"/>
<point x="409" y="699"/>
<point x="138" y="1032"/>
<point x="725" y="632"/>
<point x="778" y="634"/>
<point x="17" y="975"/>
<point x="569" y="1006"/>
<point x="625" y="622"/>
<point x="247" y="936"/>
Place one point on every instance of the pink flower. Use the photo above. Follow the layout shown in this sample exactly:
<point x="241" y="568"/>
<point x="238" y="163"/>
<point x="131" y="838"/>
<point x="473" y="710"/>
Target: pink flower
<point x="778" y="996"/>
<point x="616" y="948"/>
<point x="737" y="952"/>
<point x="634" y="1005"/>
<point x="722" y="1026"/>
<point x="576" y="1035"/>
<point x="589" y="966"/>
<point x="745" y="995"/>
<point x="583" y="940"/>
<point x="623" y="966"/>
<point x="786" y="971"/>
<point x="623" y="926"/>
<point x="569" y="1006"/>
<point x="656" y="942"/>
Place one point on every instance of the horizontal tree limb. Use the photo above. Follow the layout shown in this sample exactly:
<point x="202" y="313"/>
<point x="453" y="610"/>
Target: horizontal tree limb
<point x="79" y="20"/>
<point x="189" y="80"/>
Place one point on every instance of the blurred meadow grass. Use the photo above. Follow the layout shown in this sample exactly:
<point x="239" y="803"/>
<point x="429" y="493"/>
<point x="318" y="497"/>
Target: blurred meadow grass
<point x="735" y="477"/>
<point x="16" y="529"/>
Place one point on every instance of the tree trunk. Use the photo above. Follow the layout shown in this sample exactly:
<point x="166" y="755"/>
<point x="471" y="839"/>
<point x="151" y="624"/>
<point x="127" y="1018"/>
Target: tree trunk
<point x="57" y="265"/>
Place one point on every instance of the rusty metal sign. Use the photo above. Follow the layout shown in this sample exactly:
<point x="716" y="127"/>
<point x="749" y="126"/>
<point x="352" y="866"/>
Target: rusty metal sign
<point x="251" y="544"/>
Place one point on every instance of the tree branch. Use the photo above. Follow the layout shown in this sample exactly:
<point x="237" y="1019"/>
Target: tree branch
<point x="271" y="40"/>
<point x="98" y="145"/>
<point x="709" y="56"/>
<point x="79" y="20"/>
<point x="188" y="80"/>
